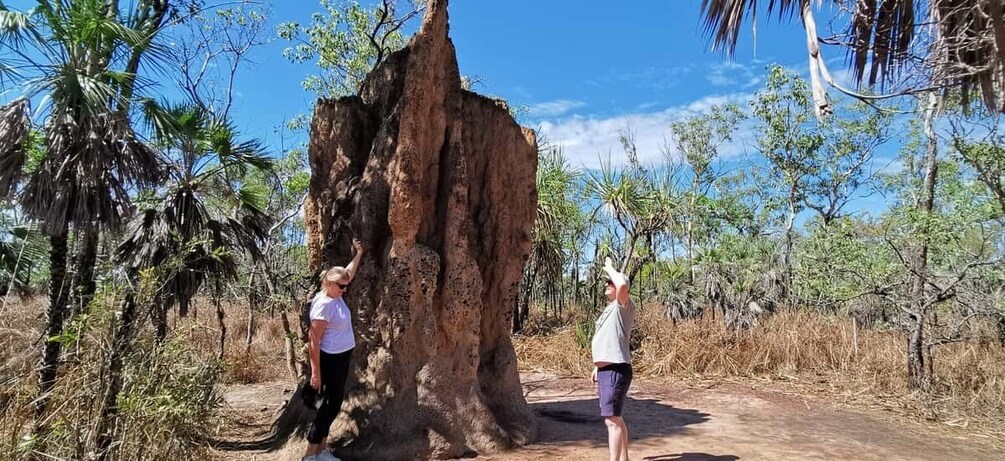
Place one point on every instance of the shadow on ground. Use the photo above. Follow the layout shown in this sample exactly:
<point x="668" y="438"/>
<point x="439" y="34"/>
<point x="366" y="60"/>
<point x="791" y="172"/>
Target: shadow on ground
<point x="691" y="457"/>
<point x="580" y="421"/>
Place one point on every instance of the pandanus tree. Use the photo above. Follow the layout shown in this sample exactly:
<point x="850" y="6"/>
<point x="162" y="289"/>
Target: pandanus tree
<point x="640" y="206"/>
<point x="206" y="216"/>
<point x="557" y="214"/>
<point x="80" y="62"/>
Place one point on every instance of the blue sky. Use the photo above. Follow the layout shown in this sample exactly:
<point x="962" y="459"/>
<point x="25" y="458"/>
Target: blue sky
<point x="580" y="70"/>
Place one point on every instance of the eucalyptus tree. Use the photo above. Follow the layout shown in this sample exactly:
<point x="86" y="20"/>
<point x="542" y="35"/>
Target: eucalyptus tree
<point x="851" y="138"/>
<point x="943" y="229"/>
<point x="345" y="40"/>
<point x="917" y="373"/>
<point x="976" y="138"/>
<point x="977" y="141"/>
<point x="81" y="61"/>
<point x="791" y="143"/>
<point x="698" y="139"/>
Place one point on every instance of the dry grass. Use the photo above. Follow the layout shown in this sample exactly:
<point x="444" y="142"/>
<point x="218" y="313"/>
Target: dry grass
<point x="799" y="347"/>
<point x="22" y="322"/>
<point x="171" y="395"/>
<point x="264" y="360"/>
<point x="165" y="410"/>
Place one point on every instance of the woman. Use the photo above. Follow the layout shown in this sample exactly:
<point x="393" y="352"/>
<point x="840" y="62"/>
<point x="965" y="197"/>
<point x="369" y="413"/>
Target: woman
<point x="331" y="344"/>
<point x="612" y="359"/>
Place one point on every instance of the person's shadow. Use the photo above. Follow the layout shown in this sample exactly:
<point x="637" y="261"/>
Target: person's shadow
<point x="691" y="457"/>
<point x="580" y="421"/>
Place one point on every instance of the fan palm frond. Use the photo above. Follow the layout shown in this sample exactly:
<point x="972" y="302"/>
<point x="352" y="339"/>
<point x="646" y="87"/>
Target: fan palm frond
<point x="89" y="182"/>
<point x="965" y="49"/>
<point x="207" y="217"/>
<point x="22" y="248"/>
<point x="15" y="126"/>
<point x="234" y="154"/>
<point x="16" y="27"/>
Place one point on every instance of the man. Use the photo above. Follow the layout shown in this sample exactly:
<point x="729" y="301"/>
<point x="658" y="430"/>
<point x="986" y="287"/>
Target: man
<point x="612" y="359"/>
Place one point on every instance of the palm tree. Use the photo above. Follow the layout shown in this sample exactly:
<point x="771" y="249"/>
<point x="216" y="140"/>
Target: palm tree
<point x="82" y="59"/>
<point x="206" y="216"/>
<point x="192" y="233"/>
<point x="959" y="42"/>
<point x="557" y="213"/>
<point x="641" y="205"/>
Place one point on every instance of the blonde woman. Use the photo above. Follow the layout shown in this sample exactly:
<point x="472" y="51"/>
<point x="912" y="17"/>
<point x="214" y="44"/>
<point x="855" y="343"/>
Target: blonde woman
<point x="331" y="343"/>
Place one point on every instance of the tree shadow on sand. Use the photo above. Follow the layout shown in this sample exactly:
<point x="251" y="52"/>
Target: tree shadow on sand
<point x="691" y="457"/>
<point x="580" y="420"/>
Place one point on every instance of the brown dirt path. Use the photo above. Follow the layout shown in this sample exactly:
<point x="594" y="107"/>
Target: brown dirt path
<point x="670" y="422"/>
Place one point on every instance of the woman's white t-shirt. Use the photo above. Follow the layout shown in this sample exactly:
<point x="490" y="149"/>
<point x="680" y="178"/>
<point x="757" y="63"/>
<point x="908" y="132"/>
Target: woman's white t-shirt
<point x="338" y="336"/>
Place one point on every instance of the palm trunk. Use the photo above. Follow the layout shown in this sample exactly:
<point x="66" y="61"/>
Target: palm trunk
<point x="116" y="359"/>
<point x="83" y="287"/>
<point x="527" y="298"/>
<point x="253" y="297"/>
<point x="917" y="373"/>
<point x="53" y="328"/>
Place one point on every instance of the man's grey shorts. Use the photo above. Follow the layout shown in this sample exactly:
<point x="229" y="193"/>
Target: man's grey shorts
<point x="613" y="381"/>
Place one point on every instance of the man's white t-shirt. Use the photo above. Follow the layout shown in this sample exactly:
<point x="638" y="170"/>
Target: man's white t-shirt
<point x="338" y="336"/>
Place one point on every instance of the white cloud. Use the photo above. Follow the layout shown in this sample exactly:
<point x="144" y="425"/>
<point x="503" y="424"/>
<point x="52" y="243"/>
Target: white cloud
<point x="654" y="78"/>
<point x="734" y="74"/>
<point x="587" y="139"/>
<point x="554" y="108"/>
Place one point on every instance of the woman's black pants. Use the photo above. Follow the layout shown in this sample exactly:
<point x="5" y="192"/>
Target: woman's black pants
<point x="334" y="371"/>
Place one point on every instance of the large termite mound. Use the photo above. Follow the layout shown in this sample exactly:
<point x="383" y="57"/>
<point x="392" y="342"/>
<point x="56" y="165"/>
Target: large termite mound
<point x="439" y="184"/>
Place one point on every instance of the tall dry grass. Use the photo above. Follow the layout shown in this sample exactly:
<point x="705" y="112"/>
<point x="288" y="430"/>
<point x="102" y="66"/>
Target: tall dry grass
<point x="824" y="352"/>
<point x="264" y="360"/>
<point x="171" y="399"/>
<point x="166" y="407"/>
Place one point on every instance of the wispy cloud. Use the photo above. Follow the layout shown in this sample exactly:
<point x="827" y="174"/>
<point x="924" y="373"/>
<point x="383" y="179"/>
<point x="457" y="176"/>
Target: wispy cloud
<point x="653" y="77"/>
<point x="554" y="108"/>
<point x="587" y="139"/>
<point x="734" y="74"/>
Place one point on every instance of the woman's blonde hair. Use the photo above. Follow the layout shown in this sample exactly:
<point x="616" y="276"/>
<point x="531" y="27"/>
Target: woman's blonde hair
<point x="334" y="275"/>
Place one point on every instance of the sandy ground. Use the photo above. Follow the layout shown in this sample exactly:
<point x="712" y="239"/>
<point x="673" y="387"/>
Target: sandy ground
<point x="670" y="422"/>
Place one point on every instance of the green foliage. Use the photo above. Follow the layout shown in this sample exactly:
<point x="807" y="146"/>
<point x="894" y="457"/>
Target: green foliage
<point x="169" y="400"/>
<point x="84" y="64"/>
<point x="338" y="41"/>
<point x="841" y="260"/>
<point x="987" y="157"/>
<point x="23" y="250"/>
<point x="787" y="138"/>
<point x="584" y="332"/>
<point x="209" y="213"/>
